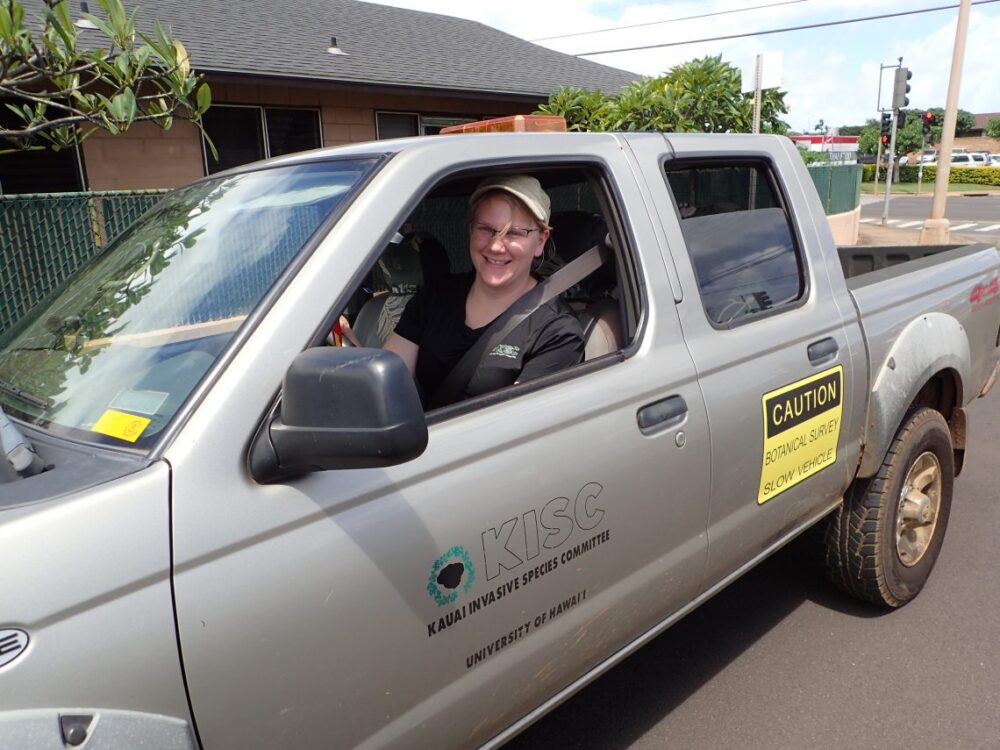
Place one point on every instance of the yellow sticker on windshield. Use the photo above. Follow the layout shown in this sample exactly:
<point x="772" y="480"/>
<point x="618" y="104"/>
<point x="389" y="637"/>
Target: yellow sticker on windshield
<point x="801" y="430"/>
<point x="118" y="424"/>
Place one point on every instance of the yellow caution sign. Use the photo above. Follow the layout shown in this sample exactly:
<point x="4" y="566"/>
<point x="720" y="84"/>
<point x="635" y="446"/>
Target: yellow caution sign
<point x="802" y="423"/>
<point x="120" y="425"/>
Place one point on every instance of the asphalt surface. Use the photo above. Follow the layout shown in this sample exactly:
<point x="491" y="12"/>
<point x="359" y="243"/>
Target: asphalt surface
<point x="977" y="215"/>
<point x="781" y="659"/>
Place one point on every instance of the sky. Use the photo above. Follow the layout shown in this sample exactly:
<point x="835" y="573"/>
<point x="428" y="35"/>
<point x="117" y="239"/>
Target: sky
<point x="829" y="74"/>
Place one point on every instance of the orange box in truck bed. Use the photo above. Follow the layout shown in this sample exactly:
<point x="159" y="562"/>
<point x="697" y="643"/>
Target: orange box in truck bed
<point x="512" y="124"/>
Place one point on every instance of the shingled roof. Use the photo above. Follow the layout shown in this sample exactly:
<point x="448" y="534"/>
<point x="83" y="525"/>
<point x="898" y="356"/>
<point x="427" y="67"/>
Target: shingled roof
<point x="384" y="46"/>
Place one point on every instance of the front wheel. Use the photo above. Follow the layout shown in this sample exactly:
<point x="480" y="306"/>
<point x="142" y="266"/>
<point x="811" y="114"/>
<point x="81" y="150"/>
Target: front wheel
<point x="882" y="543"/>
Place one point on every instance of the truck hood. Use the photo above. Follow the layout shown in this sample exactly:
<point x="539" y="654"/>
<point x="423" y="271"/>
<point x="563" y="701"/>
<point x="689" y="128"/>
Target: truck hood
<point x="74" y="467"/>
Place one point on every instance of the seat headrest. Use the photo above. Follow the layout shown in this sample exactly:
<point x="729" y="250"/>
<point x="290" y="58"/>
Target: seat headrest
<point x="419" y="259"/>
<point x="575" y="232"/>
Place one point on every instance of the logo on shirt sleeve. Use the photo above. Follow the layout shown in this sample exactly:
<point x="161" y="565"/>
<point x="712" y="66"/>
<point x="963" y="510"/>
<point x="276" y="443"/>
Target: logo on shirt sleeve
<point x="505" y="350"/>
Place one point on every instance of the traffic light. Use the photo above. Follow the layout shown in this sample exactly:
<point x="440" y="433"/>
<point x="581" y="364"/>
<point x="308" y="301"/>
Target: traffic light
<point x="886" y="124"/>
<point x="901" y="88"/>
<point x="928" y="120"/>
<point x="901" y="120"/>
<point x="885" y="139"/>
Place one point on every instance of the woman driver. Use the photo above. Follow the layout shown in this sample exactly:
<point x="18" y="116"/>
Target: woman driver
<point x="508" y="229"/>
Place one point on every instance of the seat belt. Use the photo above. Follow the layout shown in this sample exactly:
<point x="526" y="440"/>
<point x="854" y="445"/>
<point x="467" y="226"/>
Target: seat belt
<point x="455" y="383"/>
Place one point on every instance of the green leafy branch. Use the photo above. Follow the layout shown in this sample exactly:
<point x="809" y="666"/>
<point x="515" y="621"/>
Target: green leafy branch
<point x="60" y="91"/>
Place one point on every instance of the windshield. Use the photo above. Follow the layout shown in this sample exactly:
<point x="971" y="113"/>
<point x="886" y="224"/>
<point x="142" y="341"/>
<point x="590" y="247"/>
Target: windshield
<point x="111" y="356"/>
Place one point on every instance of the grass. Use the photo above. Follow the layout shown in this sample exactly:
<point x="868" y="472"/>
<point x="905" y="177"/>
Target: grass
<point x="925" y="189"/>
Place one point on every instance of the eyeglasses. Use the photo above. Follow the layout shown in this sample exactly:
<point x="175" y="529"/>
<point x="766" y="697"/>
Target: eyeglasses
<point x="484" y="233"/>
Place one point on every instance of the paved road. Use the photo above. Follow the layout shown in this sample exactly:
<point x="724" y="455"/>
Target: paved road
<point x="781" y="660"/>
<point x="972" y="215"/>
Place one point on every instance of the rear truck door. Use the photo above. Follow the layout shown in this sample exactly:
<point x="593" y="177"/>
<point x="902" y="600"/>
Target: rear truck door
<point x="780" y="363"/>
<point x="436" y="602"/>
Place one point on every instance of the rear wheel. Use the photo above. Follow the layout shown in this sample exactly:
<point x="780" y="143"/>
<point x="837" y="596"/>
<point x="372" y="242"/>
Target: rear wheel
<point x="883" y="542"/>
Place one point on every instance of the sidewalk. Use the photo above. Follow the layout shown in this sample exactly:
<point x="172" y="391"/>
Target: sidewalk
<point x="876" y="234"/>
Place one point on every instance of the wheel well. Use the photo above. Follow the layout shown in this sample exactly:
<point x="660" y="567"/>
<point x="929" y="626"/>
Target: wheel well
<point x="943" y="393"/>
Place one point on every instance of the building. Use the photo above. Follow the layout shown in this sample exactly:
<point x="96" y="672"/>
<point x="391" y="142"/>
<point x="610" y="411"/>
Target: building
<point x="293" y="75"/>
<point x="842" y="149"/>
<point x="976" y="138"/>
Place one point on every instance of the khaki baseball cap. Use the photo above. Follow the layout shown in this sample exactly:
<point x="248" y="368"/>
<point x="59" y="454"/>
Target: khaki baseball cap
<point x="523" y="187"/>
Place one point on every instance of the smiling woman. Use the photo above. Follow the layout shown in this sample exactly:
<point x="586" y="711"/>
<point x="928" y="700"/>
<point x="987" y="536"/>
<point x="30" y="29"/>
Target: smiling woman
<point x="508" y="230"/>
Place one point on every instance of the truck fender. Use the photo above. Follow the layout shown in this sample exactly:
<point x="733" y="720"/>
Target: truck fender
<point x="928" y="345"/>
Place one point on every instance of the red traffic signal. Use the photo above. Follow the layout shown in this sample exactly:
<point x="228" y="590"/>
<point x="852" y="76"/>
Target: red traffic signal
<point x="928" y="120"/>
<point x="885" y="139"/>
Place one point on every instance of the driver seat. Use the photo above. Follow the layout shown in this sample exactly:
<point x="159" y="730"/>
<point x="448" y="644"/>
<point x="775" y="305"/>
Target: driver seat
<point x="417" y="260"/>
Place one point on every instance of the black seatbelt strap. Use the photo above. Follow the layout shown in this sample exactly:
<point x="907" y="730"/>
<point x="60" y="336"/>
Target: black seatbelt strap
<point x="453" y="386"/>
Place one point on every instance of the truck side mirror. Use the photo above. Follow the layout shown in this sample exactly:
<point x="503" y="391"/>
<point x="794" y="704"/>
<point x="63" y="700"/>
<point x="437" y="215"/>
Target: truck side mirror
<point x="341" y="408"/>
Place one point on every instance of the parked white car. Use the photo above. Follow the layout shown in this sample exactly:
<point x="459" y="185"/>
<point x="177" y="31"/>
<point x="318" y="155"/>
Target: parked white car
<point x="960" y="160"/>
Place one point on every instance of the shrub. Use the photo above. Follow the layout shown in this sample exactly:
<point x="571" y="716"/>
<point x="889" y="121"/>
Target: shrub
<point x="970" y="175"/>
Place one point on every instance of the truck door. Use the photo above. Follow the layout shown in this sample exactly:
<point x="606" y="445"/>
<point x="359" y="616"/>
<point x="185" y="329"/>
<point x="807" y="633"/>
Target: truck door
<point x="434" y="603"/>
<point x="772" y="350"/>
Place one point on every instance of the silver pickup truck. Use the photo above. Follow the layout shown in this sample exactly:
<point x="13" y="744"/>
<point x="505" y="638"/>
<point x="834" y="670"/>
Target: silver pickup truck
<point x="218" y="532"/>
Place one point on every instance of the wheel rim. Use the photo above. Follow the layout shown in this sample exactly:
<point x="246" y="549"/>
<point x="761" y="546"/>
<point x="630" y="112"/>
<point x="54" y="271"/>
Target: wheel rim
<point x="919" y="506"/>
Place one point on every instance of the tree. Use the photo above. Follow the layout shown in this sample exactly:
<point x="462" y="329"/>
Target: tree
<point x="60" y="93"/>
<point x="697" y="96"/>
<point x="868" y="137"/>
<point x="993" y="127"/>
<point x="820" y="127"/>
<point x="850" y="129"/>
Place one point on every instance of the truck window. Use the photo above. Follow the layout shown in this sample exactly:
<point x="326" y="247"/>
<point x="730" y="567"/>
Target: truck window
<point x="430" y="254"/>
<point x="740" y="239"/>
<point x="111" y="356"/>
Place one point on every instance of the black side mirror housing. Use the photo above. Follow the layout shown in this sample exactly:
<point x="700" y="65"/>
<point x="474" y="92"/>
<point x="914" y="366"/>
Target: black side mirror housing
<point x="341" y="408"/>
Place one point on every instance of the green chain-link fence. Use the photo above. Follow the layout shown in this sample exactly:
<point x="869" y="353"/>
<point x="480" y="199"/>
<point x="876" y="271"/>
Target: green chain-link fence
<point x="45" y="238"/>
<point x="838" y="185"/>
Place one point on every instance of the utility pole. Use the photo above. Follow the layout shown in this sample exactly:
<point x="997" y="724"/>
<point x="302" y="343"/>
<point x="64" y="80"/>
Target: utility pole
<point x="758" y="74"/>
<point x="878" y="163"/>
<point x="900" y="89"/>
<point x="935" y="229"/>
<point x="890" y="166"/>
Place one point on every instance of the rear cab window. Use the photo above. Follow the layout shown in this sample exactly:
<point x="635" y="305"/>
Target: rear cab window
<point x="739" y="237"/>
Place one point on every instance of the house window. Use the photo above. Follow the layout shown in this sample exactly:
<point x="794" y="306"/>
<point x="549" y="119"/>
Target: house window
<point x="39" y="170"/>
<point x="405" y="124"/>
<point x="396" y="124"/>
<point x="243" y="134"/>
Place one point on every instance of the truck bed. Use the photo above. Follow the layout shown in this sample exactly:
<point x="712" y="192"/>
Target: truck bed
<point x="857" y="260"/>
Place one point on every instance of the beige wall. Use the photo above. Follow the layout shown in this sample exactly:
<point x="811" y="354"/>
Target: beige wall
<point x="981" y="143"/>
<point x="146" y="157"/>
<point x="845" y="226"/>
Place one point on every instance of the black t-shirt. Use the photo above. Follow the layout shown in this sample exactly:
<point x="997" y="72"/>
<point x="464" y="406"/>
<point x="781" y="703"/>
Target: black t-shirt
<point x="549" y="340"/>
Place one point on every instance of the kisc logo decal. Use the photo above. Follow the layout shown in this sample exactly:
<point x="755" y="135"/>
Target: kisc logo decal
<point x="452" y="570"/>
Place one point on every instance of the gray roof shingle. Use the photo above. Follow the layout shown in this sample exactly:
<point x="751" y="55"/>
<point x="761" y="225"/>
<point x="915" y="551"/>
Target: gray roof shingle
<point x="385" y="46"/>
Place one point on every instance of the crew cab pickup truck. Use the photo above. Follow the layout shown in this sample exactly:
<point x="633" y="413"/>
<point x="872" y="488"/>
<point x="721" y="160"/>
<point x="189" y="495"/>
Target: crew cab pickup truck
<point x="218" y="531"/>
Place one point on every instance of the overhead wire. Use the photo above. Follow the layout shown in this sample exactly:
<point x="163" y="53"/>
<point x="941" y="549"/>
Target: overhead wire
<point x="667" y="20"/>
<point x="782" y="30"/>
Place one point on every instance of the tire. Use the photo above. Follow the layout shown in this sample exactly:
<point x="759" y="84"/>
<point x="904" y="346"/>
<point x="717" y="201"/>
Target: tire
<point x="882" y="543"/>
